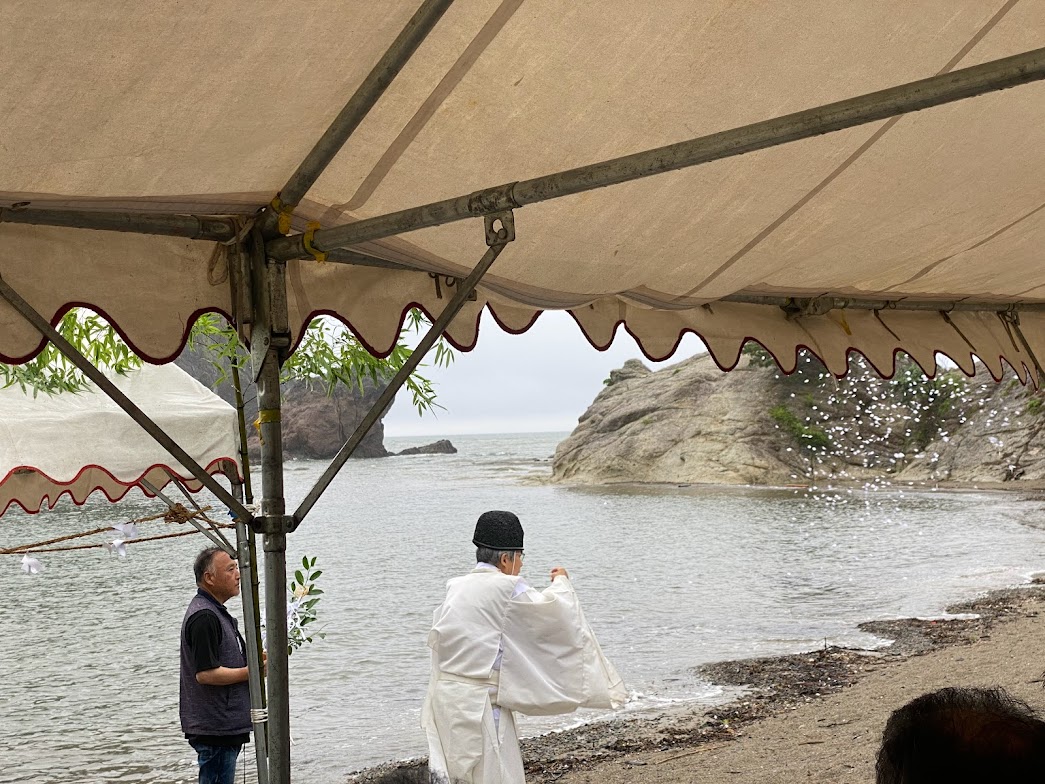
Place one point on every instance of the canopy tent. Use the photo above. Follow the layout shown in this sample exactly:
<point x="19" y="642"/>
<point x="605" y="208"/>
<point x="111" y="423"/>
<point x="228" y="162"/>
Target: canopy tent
<point x="193" y="117"/>
<point x="75" y="444"/>
<point x="798" y="201"/>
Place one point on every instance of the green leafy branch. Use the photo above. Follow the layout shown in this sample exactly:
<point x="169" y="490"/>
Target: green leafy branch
<point x="327" y="355"/>
<point x="51" y="372"/>
<point x="301" y="605"/>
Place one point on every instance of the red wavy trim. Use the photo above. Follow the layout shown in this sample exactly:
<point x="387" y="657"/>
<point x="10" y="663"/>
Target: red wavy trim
<point x="799" y="348"/>
<point x="215" y="468"/>
<point x="886" y="373"/>
<point x="60" y="313"/>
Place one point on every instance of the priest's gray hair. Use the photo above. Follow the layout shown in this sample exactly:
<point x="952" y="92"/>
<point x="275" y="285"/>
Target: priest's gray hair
<point x="491" y="556"/>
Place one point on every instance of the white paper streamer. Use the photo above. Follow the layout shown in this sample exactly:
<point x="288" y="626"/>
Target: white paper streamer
<point x="118" y="547"/>
<point x="129" y="530"/>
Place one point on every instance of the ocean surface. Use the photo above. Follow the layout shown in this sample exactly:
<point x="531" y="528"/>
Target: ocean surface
<point x="669" y="577"/>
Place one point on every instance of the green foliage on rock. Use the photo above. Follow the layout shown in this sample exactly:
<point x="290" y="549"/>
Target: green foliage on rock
<point x="757" y="355"/>
<point x="807" y="436"/>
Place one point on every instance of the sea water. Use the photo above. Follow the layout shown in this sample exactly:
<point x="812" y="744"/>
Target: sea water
<point x="670" y="577"/>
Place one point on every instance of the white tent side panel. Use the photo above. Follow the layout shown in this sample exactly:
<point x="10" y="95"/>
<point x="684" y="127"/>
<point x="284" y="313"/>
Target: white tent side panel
<point x="74" y="444"/>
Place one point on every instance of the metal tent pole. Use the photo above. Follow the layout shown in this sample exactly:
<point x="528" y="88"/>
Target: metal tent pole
<point x="818" y="305"/>
<point x="911" y="97"/>
<point x="362" y="101"/>
<point x="83" y="364"/>
<point x="195" y="227"/>
<point x="269" y="343"/>
<point x="275" y="525"/>
<point x="216" y="537"/>
<point x="500" y="231"/>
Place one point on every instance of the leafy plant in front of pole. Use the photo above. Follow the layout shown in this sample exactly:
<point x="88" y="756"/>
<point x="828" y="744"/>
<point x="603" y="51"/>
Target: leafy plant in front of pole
<point x="301" y="606"/>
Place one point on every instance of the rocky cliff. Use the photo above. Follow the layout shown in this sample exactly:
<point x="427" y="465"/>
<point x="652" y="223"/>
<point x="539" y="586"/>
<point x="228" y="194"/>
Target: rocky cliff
<point x="693" y="423"/>
<point x="315" y="425"/>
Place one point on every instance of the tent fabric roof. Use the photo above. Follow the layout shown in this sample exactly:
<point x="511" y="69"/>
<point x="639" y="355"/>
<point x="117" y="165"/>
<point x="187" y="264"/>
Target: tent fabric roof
<point x="75" y="444"/>
<point x="111" y="107"/>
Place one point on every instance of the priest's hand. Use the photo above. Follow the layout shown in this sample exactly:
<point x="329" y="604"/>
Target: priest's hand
<point x="558" y="571"/>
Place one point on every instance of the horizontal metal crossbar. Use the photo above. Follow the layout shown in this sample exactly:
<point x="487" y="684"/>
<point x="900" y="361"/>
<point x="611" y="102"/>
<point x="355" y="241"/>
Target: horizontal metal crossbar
<point x="911" y="97"/>
<point x="194" y="227"/>
<point x="818" y="305"/>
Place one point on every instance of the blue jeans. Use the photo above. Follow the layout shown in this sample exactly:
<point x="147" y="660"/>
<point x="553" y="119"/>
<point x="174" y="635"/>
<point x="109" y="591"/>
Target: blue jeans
<point x="217" y="763"/>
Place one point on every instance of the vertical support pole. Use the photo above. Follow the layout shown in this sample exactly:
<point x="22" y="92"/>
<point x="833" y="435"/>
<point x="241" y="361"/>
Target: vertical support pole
<point x="273" y="513"/>
<point x="269" y="338"/>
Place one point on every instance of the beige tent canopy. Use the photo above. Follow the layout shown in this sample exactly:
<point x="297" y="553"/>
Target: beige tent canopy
<point x="839" y="176"/>
<point x="107" y="106"/>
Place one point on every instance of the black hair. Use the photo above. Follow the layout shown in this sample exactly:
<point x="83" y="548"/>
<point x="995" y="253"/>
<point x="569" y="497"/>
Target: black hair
<point x="962" y="735"/>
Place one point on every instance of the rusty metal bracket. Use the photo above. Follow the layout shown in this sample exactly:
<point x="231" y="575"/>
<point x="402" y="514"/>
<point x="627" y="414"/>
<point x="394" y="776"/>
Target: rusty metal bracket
<point x="450" y="281"/>
<point x="500" y="228"/>
<point x="797" y="307"/>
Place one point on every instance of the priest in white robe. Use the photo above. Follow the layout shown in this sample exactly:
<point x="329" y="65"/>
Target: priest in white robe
<point x="499" y="647"/>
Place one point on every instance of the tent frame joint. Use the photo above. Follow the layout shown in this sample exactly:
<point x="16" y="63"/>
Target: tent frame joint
<point x="273" y="525"/>
<point x="500" y="227"/>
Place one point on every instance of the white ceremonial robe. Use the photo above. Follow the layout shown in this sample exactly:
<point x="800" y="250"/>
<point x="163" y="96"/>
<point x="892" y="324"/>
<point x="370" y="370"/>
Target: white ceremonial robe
<point x="551" y="664"/>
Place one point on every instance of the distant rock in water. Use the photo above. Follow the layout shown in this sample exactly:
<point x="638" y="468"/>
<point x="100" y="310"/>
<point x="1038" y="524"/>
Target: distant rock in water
<point x="440" y="447"/>
<point x="694" y="423"/>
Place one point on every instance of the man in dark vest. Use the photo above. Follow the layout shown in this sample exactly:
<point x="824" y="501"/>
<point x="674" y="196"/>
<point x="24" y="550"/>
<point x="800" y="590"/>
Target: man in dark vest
<point x="215" y="700"/>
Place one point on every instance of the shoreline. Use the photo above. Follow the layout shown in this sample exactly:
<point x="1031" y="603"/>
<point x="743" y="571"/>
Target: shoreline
<point x="622" y="748"/>
<point x="1033" y="490"/>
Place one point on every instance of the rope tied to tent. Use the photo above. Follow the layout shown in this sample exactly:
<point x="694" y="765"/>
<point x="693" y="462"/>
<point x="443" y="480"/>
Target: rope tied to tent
<point x="170" y="516"/>
<point x="179" y="514"/>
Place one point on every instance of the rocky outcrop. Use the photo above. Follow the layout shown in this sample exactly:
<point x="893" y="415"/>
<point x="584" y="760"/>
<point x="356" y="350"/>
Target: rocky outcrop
<point x="687" y="423"/>
<point x="693" y="423"/>
<point x="315" y="425"/>
<point x="440" y="447"/>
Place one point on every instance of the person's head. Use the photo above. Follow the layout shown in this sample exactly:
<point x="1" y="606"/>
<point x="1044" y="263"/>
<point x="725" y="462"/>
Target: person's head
<point x="498" y="540"/>
<point x="962" y="735"/>
<point x="217" y="573"/>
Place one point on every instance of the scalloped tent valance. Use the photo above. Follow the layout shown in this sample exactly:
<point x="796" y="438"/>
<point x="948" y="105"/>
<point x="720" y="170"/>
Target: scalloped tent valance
<point x="75" y="444"/>
<point x="118" y="106"/>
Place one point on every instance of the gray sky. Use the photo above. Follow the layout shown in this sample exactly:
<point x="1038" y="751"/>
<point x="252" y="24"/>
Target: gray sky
<point x="539" y="381"/>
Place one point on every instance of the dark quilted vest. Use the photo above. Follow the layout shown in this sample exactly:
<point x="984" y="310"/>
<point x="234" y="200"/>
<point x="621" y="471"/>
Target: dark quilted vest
<point x="214" y="710"/>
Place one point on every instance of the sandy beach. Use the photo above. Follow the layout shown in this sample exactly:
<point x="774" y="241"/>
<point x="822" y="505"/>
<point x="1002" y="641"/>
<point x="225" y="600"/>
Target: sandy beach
<point x="813" y="717"/>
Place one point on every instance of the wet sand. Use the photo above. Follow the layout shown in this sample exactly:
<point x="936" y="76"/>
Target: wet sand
<point x="814" y="717"/>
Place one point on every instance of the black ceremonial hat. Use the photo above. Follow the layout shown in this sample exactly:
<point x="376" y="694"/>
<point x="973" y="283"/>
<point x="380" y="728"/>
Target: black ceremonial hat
<point x="498" y="531"/>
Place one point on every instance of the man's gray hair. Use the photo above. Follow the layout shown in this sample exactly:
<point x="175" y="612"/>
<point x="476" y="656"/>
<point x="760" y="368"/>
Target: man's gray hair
<point x="203" y="562"/>
<point x="491" y="556"/>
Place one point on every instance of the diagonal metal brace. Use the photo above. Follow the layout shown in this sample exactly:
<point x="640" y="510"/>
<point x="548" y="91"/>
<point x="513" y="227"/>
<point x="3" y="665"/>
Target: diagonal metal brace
<point x="217" y="537"/>
<point x="84" y="365"/>
<point x="500" y="230"/>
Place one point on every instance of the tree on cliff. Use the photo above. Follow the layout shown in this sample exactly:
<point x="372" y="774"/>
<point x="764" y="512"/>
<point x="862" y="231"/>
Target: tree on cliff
<point x="327" y="355"/>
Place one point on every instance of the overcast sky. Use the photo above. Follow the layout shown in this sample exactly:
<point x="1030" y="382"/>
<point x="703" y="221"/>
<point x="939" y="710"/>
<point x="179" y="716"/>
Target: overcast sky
<point x="539" y="381"/>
